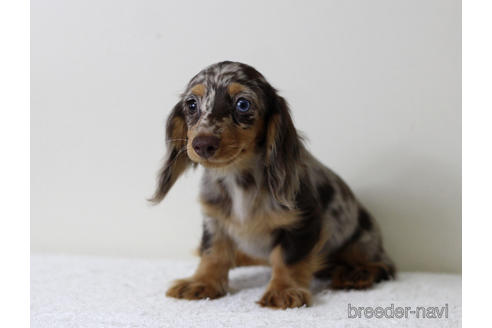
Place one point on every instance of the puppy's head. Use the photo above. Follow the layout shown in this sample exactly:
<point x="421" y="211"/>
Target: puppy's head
<point x="228" y="114"/>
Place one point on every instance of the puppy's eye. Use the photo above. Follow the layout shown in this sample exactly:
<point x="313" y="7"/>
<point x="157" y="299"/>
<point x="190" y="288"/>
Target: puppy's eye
<point x="192" y="106"/>
<point x="242" y="105"/>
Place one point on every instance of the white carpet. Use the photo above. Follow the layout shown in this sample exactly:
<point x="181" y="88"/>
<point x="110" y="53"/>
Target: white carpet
<point x="69" y="291"/>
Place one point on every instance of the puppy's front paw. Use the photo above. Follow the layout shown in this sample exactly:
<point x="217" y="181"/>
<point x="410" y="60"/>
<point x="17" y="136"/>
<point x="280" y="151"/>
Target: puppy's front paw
<point x="286" y="298"/>
<point x="194" y="289"/>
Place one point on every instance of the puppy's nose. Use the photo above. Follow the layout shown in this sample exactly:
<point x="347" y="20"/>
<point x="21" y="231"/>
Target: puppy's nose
<point x="205" y="146"/>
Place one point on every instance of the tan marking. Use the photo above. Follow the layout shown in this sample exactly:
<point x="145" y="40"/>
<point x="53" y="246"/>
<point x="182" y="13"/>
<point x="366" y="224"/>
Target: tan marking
<point x="236" y="147"/>
<point x="198" y="90"/>
<point x="211" y="277"/>
<point x="234" y="88"/>
<point x="179" y="132"/>
<point x="178" y="136"/>
<point x="243" y="259"/>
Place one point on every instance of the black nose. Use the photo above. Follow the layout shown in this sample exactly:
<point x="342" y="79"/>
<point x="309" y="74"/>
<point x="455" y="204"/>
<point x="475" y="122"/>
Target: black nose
<point x="205" y="146"/>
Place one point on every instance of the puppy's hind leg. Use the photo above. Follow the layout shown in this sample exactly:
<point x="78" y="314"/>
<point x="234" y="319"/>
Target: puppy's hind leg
<point x="355" y="268"/>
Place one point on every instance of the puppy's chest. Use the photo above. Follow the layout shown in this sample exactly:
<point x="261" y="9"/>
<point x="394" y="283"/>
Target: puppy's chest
<point x="230" y="199"/>
<point x="241" y="213"/>
<point x="242" y="201"/>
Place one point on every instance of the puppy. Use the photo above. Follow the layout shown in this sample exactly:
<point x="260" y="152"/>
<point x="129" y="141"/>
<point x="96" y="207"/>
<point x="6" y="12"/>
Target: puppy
<point x="265" y="198"/>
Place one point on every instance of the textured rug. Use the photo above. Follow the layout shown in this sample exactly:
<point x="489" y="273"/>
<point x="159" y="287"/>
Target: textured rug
<point x="79" y="291"/>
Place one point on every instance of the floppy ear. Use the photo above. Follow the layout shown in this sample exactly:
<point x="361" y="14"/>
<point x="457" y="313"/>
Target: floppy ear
<point x="177" y="160"/>
<point x="283" y="147"/>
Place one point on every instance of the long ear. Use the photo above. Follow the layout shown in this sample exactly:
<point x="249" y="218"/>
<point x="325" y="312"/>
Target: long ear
<point x="177" y="160"/>
<point x="283" y="147"/>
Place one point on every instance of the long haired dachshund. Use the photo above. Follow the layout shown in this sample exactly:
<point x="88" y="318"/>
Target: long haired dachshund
<point x="265" y="198"/>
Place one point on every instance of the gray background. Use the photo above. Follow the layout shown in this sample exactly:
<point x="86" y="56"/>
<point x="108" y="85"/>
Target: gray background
<point x="375" y="85"/>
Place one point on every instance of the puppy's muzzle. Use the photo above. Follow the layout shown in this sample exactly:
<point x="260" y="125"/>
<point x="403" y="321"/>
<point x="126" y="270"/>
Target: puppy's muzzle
<point x="205" y="146"/>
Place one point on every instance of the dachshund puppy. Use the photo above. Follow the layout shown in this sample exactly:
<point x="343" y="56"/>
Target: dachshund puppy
<point x="265" y="198"/>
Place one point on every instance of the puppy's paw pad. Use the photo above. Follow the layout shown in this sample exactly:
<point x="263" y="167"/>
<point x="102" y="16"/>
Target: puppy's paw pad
<point x="192" y="289"/>
<point x="286" y="298"/>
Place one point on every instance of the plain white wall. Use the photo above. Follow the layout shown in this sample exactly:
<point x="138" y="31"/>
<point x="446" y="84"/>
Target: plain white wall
<point x="375" y="85"/>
